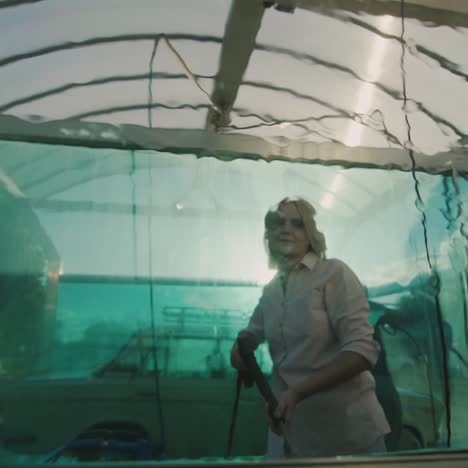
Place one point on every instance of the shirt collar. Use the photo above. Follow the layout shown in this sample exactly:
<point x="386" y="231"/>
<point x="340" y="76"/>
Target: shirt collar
<point x="310" y="260"/>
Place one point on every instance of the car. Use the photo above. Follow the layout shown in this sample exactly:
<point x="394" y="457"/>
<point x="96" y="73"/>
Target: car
<point x="185" y="412"/>
<point x="107" y="441"/>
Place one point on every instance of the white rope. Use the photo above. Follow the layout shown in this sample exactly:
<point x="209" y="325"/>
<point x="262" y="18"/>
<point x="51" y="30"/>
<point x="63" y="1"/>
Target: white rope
<point x="189" y="74"/>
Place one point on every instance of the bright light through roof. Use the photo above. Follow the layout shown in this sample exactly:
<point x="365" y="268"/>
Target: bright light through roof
<point x="328" y="199"/>
<point x="373" y="73"/>
<point x="363" y="104"/>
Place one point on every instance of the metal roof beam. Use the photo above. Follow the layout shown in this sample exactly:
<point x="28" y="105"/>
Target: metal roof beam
<point x="240" y="35"/>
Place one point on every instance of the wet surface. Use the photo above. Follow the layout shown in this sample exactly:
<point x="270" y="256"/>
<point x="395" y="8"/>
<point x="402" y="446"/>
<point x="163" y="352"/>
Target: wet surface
<point x="341" y="88"/>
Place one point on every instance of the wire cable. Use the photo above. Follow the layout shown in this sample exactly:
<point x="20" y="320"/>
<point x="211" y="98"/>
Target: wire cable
<point x="157" y="387"/>
<point x="419" y="206"/>
<point x="189" y="74"/>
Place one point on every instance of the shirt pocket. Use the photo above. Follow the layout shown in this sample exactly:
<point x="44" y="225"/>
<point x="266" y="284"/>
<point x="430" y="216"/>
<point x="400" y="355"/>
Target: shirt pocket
<point x="316" y="299"/>
<point x="306" y="314"/>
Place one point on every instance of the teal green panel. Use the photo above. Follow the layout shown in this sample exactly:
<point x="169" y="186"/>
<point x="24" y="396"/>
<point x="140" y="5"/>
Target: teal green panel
<point x="126" y="276"/>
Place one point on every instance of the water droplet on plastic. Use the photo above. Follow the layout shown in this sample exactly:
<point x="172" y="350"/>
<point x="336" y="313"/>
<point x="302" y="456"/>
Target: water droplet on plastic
<point x="419" y="204"/>
<point x="375" y="120"/>
<point x="412" y="46"/>
<point x="377" y="116"/>
<point x="409" y="145"/>
<point x="446" y="130"/>
<point x="411" y="106"/>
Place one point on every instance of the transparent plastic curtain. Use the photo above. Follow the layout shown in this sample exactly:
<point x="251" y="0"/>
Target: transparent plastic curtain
<point x="157" y="261"/>
<point x="125" y="275"/>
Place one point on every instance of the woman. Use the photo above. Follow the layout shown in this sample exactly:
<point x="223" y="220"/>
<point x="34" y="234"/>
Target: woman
<point x="314" y="317"/>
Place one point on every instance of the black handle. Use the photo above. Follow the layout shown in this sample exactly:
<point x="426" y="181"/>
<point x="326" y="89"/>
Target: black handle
<point x="245" y="347"/>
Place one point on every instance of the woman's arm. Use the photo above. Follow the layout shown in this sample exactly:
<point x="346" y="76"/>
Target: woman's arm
<point x="346" y="365"/>
<point x="348" y="312"/>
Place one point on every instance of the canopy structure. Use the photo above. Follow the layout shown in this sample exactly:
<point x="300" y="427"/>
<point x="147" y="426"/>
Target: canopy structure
<point x="376" y="84"/>
<point x="150" y="137"/>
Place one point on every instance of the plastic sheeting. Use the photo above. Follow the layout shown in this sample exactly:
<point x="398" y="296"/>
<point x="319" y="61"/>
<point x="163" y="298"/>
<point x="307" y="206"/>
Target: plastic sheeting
<point x="332" y="81"/>
<point x="168" y="247"/>
<point x="140" y="148"/>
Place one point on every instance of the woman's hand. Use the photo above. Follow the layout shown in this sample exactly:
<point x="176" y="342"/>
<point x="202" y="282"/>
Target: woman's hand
<point x="284" y="411"/>
<point x="275" y="426"/>
<point x="287" y="403"/>
<point x="236" y="360"/>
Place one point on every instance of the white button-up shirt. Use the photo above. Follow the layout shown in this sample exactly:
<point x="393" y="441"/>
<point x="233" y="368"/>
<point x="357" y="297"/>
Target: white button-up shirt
<point x="323" y="311"/>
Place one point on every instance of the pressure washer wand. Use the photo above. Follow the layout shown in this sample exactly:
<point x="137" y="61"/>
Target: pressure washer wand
<point x="246" y="345"/>
<point x="253" y="374"/>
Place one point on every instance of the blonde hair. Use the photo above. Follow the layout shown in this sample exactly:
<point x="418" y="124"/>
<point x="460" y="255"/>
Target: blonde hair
<point x="307" y="212"/>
